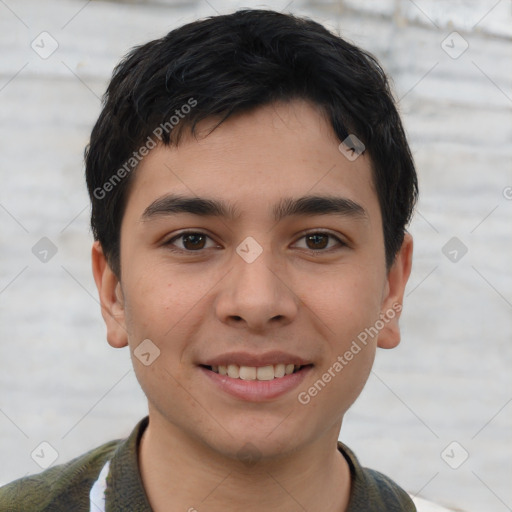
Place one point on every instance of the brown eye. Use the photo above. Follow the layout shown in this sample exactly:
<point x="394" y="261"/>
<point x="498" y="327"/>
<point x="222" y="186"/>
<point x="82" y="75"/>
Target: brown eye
<point x="320" y="241"/>
<point x="194" y="241"/>
<point x="317" y="241"/>
<point x="190" y="241"/>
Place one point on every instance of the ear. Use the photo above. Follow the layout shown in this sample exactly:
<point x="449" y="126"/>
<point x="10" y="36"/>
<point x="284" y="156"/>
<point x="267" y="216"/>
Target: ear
<point x="398" y="275"/>
<point x="111" y="298"/>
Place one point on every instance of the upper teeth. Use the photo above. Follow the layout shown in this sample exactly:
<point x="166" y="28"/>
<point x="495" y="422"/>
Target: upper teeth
<point x="255" y="372"/>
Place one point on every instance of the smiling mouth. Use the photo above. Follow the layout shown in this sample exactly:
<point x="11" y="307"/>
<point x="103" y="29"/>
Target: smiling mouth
<point x="264" y="373"/>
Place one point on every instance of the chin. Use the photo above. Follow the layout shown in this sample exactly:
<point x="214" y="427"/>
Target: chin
<point x="255" y="439"/>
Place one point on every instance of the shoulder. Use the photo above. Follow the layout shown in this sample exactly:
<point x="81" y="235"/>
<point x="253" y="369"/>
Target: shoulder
<point x="60" y="488"/>
<point x="372" y="491"/>
<point x="382" y="488"/>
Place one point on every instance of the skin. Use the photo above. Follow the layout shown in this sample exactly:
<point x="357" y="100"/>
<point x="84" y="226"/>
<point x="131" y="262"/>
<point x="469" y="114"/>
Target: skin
<point x="308" y="301"/>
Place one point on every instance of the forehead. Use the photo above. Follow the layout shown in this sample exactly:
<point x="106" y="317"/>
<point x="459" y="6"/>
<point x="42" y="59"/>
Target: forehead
<point x="255" y="160"/>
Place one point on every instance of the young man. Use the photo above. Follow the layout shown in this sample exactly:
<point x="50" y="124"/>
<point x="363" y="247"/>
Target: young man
<point x="251" y="184"/>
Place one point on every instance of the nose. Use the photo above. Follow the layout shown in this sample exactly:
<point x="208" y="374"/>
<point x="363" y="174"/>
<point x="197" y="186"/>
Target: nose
<point x="257" y="295"/>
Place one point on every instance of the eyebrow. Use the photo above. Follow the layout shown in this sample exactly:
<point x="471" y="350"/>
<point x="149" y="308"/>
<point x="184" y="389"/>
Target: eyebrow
<point x="172" y="204"/>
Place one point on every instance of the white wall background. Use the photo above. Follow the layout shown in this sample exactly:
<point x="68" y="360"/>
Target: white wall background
<point x="450" y="378"/>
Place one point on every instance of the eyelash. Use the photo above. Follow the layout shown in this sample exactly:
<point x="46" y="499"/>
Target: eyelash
<point x="169" y="243"/>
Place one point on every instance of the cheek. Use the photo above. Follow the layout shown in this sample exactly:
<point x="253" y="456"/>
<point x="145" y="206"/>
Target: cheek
<point x="155" y="302"/>
<point x="167" y="307"/>
<point x="347" y="303"/>
<point x="156" y="310"/>
<point x="337" y="385"/>
<point x="350" y="306"/>
<point x="347" y="386"/>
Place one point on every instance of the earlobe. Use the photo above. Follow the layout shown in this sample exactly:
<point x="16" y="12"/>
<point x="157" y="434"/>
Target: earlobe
<point x="398" y="275"/>
<point x="111" y="298"/>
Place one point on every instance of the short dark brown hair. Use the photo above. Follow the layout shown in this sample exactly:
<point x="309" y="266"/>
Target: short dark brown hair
<point x="233" y="63"/>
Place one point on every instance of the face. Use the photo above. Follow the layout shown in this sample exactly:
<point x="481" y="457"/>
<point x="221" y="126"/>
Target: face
<point x="255" y="250"/>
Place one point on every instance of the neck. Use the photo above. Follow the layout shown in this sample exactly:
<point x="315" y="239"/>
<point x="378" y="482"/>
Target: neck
<point x="181" y="474"/>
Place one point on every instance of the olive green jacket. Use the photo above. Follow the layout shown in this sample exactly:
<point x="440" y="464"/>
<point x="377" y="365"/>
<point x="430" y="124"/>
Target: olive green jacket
<point x="77" y="485"/>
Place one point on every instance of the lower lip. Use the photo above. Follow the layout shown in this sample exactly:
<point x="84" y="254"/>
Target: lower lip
<point x="257" y="390"/>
